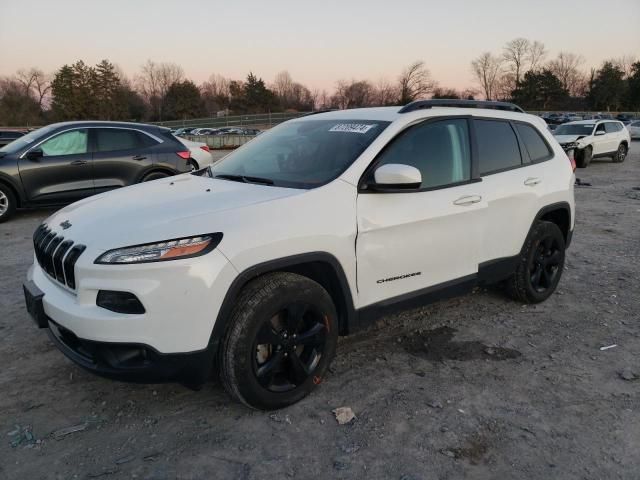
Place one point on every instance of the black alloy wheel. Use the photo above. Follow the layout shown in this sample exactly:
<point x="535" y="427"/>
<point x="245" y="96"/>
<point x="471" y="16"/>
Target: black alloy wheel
<point x="289" y="347"/>
<point x="545" y="263"/>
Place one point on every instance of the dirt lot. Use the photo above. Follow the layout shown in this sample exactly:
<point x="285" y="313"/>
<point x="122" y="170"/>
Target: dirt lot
<point x="476" y="387"/>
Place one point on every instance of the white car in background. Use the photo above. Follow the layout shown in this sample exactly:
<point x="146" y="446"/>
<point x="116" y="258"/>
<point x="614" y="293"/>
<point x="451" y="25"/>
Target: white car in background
<point x="594" y="139"/>
<point x="634" y="129"/>
<point x="200" y="153"/>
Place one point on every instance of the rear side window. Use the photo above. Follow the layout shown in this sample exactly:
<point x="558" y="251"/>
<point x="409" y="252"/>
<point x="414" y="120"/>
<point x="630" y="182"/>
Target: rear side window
<point x="114" y="139"/>
<point x="536" y="147"/>
<point x="497" y="146"/>
<point x="440" y="150"/>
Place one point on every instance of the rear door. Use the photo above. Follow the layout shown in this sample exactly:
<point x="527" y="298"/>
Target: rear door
<point x="63" y="173"/>
<point x="120" y="156"/>
<point x="613" y="136"/>
<point x="514" y="174"/>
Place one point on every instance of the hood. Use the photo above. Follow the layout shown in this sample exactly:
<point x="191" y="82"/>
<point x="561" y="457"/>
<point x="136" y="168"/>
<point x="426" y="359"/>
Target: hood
<point x="159" y="210"/>
<point x="568" y="138"/>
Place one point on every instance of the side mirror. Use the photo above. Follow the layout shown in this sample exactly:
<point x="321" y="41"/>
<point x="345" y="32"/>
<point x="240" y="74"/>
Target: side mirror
<point x="35" y="154"/>
<point x="600" y="132"/>
<point x="394" y="176"/>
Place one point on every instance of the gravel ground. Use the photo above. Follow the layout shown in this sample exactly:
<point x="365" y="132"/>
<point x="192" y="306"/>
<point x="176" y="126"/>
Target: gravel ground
<point x="475" y="387"/>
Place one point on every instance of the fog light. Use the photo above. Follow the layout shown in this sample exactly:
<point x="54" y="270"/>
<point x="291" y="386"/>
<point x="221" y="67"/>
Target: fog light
<point x="119" y="302"/>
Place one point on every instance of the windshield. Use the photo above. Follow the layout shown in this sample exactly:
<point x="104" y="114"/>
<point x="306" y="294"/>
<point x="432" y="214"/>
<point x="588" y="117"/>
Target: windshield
<point x="576" y="129"/>
<point x="20" y="143"/>
<point x="301" y="154"/>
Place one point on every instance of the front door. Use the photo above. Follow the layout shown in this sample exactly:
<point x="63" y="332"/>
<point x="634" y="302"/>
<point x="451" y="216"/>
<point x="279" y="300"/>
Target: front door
<point x="427" y="237"/>
<point x="62" y="173"/>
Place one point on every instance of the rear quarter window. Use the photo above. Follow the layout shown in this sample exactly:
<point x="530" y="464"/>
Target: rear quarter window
<point x="497" y="146"/>
<point x="534" y="144"/>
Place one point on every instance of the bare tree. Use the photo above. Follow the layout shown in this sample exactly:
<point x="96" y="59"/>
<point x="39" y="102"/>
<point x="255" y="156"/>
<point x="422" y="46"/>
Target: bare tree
<point x="283" y="86"/>
<point x="486" y="69"/>
<point x="35" y="83"/>
<point x="353" y="94"/>
<point x="537" y="53"/>
<point x="415" y="82"/>
<point x="154" y="82"/>
<point x="515" y="54"/>
<point x="566" y="68"/>
<point x="625" y="63"/>
<point x="385" y="93"/>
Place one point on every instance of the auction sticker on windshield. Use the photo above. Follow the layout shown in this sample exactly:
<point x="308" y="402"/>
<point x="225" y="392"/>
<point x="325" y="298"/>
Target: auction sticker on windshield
<point x="352" y="127"/>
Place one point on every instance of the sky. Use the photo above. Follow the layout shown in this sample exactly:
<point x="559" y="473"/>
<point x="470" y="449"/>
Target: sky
<point x="318" y="42"/>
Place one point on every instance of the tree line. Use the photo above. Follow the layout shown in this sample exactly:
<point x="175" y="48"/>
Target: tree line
<point x="161" y="91"/>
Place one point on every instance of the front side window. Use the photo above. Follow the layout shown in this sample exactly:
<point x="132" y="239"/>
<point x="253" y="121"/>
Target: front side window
<point x="497" y="146"/>
<point x="600" y="128"/>
<point x="536" y="147"/>
<point x="114" y="139"/>
<point x="440" y="150"/>
<point x="300" y="154"/>
<point x="68" y="143"/>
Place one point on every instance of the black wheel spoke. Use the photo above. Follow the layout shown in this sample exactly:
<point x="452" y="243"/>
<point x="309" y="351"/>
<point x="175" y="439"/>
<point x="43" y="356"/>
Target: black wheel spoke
<point x="312" y="336"/>
<point x="554" y="258"/>
<point x="268" y="336"/>
<point x="267" y="370"/>
<point x="295" y="314"/>
<point x="546" y="277"/>
<point x="535" y="278"/>
<point x="299" y="371"/>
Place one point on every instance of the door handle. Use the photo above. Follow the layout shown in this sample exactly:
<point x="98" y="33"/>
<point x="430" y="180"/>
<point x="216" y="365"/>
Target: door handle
<point x="79" y="162"/>
<point x="531" y="181"/>
<point x="467" y="200"/>
<point x="139" y="157"/>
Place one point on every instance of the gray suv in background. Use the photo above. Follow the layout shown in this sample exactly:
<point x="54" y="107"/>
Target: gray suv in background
<point x="64" y="162"/>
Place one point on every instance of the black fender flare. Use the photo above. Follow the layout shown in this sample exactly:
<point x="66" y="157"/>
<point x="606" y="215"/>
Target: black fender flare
<point x="551" y="208"/>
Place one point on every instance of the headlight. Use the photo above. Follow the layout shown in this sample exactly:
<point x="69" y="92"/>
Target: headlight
<point x="162" y="251"/>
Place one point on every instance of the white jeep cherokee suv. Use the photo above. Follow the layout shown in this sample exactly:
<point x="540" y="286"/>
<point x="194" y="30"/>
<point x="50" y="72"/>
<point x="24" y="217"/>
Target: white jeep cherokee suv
<point x="256" y="264"/>
<point x="594" y="139"/>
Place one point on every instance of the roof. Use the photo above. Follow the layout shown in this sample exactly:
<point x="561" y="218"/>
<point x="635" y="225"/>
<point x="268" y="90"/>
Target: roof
<point x="593" y="121"/>
<point x="103" y="123"/>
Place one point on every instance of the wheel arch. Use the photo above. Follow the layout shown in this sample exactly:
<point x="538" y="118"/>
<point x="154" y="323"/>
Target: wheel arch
<point x="155" y="169"/>
<point x="558" y="213"/>
<point x="14" y="189"/>
<point x="321" y="267"/>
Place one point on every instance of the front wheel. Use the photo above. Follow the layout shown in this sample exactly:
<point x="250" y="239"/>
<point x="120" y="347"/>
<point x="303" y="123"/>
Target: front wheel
<point x="282" y="337"/>
<point x="540" y="266"/>
<point x="621" y="154"/>
<point x="7" y="203"/>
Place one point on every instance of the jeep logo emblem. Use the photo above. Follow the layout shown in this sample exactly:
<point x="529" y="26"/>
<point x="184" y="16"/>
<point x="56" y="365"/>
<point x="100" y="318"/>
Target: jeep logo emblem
<point x="66" y="224"/>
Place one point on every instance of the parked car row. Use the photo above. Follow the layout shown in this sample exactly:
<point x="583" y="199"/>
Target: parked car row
<point x="65" y="162"/>
<point x="216" y="131"/>
<point x="561" y="118"/>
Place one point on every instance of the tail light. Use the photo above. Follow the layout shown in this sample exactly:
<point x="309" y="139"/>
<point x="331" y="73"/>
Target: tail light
<point x="184" y="155"/>
<point x="572" y="159"/>
<point x="205" y="148"/>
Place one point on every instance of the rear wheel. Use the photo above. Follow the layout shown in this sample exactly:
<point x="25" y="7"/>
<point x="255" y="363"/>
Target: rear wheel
<point x="7" y="203"/>
<point x="621" y="154"/>
<point x="282" y="337"/>
<point x="154" y="176"/>
<point x="540" y="266"/>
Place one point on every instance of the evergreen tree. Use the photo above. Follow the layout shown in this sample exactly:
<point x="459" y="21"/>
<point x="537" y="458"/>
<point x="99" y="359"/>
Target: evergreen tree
<point x="183" y="101"/>
<point x="540" y="91"/>
<point x="607" y="89"/>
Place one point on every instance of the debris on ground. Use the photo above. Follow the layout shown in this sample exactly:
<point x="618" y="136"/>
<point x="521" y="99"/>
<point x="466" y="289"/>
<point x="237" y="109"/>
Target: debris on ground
<point x="608" y="347"/>
<point x="628" y="375"/>
<point x="580" y="183"/>
<point x="22" y="435"/>
<point x="344" y="415"/>
<point x="63" y="432"/>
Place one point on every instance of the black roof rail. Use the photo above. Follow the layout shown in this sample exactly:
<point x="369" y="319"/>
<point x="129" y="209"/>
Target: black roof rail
<point x="316" y="112"/>
<point x="424" y="104"/>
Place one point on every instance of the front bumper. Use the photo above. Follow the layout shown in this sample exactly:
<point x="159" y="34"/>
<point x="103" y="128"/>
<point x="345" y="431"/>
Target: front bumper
<point x="181" y="300"/>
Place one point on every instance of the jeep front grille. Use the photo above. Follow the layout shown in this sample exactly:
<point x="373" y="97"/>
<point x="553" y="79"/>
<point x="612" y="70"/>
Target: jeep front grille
<point x="57" y="256"/>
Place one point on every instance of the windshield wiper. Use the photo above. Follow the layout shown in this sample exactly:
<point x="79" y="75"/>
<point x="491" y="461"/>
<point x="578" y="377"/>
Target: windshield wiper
<point x="245" y="179"/>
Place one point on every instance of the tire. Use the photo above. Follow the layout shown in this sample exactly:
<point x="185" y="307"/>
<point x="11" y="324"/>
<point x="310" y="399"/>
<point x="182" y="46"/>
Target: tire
<point x="194" y="164"/>
<point x="281" y="371"/>
<point x="620" y="154"/>
<point x="583" y="159"/>
<point x="154" y="176"/>
<point x="7" y="203"/>
<point x="540" y="266"/>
